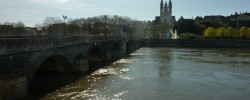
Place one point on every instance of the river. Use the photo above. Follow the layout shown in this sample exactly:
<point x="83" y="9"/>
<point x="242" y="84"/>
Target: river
<point x="166" y="74"/>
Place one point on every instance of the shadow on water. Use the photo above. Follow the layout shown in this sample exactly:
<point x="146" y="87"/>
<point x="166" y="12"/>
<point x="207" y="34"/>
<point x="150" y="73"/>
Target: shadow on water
<point x="46" y="82"/>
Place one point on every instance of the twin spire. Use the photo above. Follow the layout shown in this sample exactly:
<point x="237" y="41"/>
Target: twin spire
<point x="170" y="3"/>
<point x="167" y="8"/>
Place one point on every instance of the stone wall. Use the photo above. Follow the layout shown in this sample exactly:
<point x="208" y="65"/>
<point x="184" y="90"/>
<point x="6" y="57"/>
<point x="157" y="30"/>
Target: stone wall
<point x="196" y="43"/>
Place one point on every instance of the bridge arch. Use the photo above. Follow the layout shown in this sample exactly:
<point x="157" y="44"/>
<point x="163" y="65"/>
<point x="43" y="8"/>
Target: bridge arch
<point x="56" y="63"/>
<point x="53" y="73"/>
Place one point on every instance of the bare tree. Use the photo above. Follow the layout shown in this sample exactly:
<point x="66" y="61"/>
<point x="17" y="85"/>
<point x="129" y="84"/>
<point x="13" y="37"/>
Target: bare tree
<point x="19" y="24"/>
<point x="48" y="21"/>
<point x="8" y="23"/>
<point x="38" y="25"/>
<point x="79" y="22"/>
<point x="94" y="25"/>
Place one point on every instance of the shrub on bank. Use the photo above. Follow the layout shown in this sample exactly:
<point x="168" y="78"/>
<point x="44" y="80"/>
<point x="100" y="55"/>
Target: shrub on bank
<point x="190" y="36"/>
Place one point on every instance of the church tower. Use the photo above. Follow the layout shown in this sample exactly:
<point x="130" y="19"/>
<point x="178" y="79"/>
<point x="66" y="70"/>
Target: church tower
<point x="170" y="8"/>
<point x="161" y="8"/>
<point x="166" y="19"/>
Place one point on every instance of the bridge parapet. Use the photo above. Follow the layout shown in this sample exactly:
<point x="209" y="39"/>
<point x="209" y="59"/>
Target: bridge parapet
<point x="15" y="44"/>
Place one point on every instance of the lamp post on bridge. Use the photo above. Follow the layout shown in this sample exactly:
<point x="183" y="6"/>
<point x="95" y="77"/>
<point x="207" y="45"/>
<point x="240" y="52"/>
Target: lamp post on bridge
<point x="105" y="18"/>
<point x="64" y="18"/>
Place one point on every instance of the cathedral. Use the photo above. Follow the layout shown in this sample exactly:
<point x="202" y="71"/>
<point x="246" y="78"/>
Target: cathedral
<point x="166" y="20"/>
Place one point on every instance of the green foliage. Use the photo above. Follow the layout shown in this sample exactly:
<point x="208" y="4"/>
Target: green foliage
<point x="210" y="32"/>
<point x="223" y="29"/>
<point x="189" y="26"/>
<point x="152" y="32"/>
<point x="199" y="28"/>
<point x="186" y="25"/>
<point x="227" y="33"/>
<point x="244" y="32"/>
<point x="190" y="36"/>
<point x="248" y="33"/>
<point x="220" y="32"/>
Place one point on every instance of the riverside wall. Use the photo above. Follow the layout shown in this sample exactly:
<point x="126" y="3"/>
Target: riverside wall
<point x="196" y="43"/>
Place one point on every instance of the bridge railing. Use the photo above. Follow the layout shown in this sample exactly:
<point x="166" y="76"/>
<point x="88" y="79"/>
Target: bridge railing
<point x="15" y="44"/>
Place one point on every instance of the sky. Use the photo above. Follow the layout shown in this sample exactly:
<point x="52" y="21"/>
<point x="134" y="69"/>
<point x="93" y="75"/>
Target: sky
<point x="31" y="12"/>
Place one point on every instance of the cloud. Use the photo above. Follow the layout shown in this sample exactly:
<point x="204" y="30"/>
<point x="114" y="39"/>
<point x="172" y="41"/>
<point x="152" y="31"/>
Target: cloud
<point x="50" y="1"/>
<point x="61" y="1"/>
<point x="63" y="4"/>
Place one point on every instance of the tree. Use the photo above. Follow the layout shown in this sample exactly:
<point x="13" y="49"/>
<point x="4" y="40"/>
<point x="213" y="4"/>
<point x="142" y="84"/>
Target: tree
<point x="38" y="25"/>
<point x="19" y="24"/>
<point x="248" y="33"/>
<point x="79" y="22"/>
<point x="190" y="36"/>
<point x="244" y="32"/>
<point x="220" y="32"/>
<point x="8" y="23"/>
<point x="48" y="21"/>
<point x="229" y="33"/>
<point x="189" y="26"/>
<point x="72" y="29"/>
<point x="199" y="28"/>
<point x="209" y="32"/>
<point x="152" y="32"/>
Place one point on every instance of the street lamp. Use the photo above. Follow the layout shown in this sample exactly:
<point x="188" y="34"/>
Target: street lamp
<point x="64" y="18"/>
<point x="105" y="19"/>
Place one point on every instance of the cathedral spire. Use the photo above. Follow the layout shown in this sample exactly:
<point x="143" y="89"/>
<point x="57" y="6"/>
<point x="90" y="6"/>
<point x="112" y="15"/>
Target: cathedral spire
<point x="170" y="7"/>
<point x="170" y="3"/>
<point x="161" y="3"/>
<point x="161" y="9"/>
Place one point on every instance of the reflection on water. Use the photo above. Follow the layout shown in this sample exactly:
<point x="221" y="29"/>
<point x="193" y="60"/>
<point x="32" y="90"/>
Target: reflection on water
<point x="167" y="73"/>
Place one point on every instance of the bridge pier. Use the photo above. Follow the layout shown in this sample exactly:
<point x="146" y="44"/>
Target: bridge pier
<point x="13" y="86"/>
<point x="116" y="55"/>
<point x="107" y="56"/>
<point x="81" y="63"/>
<point x="123" y="48"/>
<point x="133" y="45"/>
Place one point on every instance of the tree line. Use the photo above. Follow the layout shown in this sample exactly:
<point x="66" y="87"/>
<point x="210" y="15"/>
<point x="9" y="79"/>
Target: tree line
<point x="12" y="28"/>
<point x="242" y="33"/>
<point x="103" y="24"/>
<point x="193" y="29"/>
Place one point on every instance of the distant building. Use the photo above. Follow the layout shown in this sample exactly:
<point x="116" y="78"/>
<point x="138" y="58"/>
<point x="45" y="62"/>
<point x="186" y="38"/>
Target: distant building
<point x="213" y="18"/>
<point x="157" y="20"/>
<point x="240" y="17"/>
<point x="165" y="20"/>
<point x="218" y="19"/>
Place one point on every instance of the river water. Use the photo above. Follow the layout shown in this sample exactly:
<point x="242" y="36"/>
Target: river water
<point x="167" y="74"/>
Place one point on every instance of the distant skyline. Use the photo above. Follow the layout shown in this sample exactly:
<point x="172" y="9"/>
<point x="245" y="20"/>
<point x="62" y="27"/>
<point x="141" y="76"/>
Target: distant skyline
<point x="31" y="12"/>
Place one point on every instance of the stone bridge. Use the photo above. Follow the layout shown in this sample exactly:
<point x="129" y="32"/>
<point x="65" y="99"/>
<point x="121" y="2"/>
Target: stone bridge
<point x="26" y="60"/>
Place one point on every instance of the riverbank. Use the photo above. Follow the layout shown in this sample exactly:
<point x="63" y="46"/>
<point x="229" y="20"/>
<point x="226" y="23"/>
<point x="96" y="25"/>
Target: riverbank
<point x="196" y="43"/>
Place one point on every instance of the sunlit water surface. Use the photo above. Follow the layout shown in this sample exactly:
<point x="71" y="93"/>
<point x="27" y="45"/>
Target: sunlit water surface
<point x="167" y="74"/>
